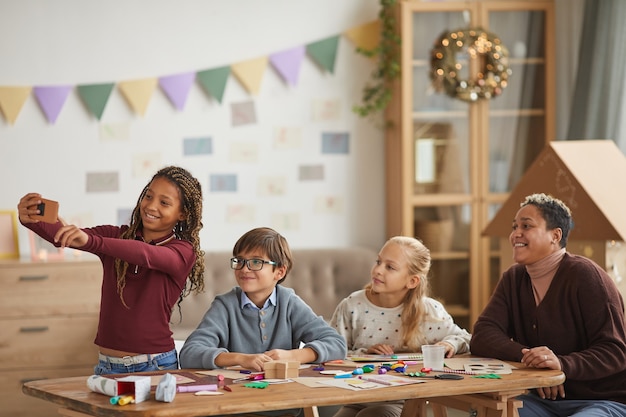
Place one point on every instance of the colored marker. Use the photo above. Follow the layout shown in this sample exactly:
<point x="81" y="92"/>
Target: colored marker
<point x="126" y="399"/>
<point x="227" y="388"/>
<point x="196" y="388"/>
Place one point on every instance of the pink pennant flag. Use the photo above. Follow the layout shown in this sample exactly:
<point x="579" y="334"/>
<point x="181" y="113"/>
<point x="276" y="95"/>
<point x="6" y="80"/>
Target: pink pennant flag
<point x="288" y="62"/>
<point x="176" y="87"/>
<point x="51" y="100"/>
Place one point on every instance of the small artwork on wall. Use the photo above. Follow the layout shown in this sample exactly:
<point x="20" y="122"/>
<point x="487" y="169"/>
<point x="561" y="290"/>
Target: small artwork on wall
<point x="240" y="213"/>
<point x="146" y="164"/>
<point x="335" y="143"/>
<point x="197" y="146"/>
<point x="287" y="138"/>
<point x="272" y="186"/>
<point x="244" y="152"/>
<point x="114" y="132"/>
<point x="286" y="221"/>
<point x="41" y="250"/>
<point x="311" y="172"/>
<point x="325" y="110"/>
<point x="8" y="235"/>
<point x="328" y="205"/>
<point x="243" y="113"/>
<point x="223" y="182"/>
<point x="102" y="182"/>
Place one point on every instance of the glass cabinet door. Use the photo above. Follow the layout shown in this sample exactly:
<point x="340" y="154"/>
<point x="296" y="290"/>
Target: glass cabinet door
<point x="442" y="169"/>
<point x="440" y="123"/>
<point x="521" y="119"/>
<point x="450" y="163"/>
<point x="517" y="119"/>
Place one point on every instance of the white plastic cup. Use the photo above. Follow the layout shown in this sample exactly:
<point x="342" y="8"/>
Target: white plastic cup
<point x="433" y="356"/>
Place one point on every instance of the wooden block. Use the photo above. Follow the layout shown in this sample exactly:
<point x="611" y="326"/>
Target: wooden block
<point x="282" y="369"/>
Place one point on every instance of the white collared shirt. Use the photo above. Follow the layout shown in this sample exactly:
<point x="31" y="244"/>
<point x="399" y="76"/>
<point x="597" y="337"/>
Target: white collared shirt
<point x="246" y="302"/>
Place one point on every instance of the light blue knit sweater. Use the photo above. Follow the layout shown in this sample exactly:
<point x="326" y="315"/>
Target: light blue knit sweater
<point x="226" y="327"/>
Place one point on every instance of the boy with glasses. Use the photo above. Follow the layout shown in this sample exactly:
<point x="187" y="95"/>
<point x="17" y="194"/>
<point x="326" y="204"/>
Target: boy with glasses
<point x="260" y="321"/>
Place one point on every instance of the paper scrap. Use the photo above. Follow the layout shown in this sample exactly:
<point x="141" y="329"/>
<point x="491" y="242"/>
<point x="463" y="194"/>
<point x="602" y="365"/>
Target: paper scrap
<point x="102" y="182"/>
<point x="223" y="182"/>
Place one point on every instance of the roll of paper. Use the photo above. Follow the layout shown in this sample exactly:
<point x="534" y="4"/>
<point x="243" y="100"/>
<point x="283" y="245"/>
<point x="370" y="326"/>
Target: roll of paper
<point x="103" y="385"/>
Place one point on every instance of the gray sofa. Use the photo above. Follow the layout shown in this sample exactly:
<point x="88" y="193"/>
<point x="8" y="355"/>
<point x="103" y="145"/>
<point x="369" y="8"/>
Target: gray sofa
<point x="322" y="277"/>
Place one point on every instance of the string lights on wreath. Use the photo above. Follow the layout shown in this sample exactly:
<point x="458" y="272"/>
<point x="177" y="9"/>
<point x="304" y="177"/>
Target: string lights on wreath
<point x="486" y="64"/>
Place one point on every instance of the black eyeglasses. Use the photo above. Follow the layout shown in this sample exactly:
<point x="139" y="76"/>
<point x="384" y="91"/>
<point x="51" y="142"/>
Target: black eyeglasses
<point x="253" y="264"/>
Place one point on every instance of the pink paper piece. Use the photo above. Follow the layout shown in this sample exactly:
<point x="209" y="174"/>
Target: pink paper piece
<point x="176" y="87"/>
<point x="51" y="100"/>
<point x="288" y="62"/>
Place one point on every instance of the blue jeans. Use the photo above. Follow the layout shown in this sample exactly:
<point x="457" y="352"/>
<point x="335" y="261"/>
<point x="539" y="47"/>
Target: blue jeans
<point x="164" y="361"/>
<point x="536" y="407"/>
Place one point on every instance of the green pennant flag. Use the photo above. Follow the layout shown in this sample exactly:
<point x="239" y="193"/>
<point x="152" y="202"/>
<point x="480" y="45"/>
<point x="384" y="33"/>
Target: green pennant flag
<point x="214" y="81"/>
<point x="95" y="97"/>
<point x="324" y="52"/>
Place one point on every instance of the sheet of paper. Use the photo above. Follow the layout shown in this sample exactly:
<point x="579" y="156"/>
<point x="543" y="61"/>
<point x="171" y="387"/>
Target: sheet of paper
<point x="479" y="365"/>
<point x="372" y="382"/>
<point x="310" y="381"/>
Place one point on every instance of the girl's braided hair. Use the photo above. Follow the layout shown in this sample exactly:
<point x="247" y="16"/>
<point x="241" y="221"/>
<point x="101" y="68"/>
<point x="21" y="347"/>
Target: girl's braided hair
<point x="188" y="229"/>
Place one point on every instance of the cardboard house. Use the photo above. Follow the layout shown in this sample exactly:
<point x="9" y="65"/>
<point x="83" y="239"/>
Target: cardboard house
<point x="586" y="175"/>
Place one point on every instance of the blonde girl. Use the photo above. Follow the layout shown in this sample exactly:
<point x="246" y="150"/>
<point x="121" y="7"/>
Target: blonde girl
<point x="394" y="314"/>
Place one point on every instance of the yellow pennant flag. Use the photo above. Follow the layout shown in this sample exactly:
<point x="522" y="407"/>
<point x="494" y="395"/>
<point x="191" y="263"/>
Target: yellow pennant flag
<point x="250" y="73"/>
<point x="11" y="101"/>
<point x="138" y="93"/>
<point x="366" y="36"/>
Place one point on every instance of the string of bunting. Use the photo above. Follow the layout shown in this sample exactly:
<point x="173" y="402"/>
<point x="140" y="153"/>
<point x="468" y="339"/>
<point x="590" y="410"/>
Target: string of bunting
<point x="138" y="93"/>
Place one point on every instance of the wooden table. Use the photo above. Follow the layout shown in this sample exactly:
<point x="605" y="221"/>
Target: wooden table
<point x="489" y="397"/>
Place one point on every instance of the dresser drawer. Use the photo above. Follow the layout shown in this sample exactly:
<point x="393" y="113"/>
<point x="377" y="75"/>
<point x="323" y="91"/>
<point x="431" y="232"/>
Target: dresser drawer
<point x="48" y="342"/>
<point x="17" y="404"/>
<point x="43" y="289"/>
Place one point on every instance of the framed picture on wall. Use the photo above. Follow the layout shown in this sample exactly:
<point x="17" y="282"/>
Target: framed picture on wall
<point x="42" y="250"/>
<point x="9" y="248"/>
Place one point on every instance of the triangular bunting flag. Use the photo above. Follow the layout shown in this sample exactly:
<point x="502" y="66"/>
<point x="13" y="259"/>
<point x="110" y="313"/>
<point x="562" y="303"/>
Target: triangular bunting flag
<point x="95" y="97"/>
<point x="365" y="36"/>
<point x="324" y="52"/>
<point x="288" y="62"/>
<point x="138" y="93"/>
<point x="214" y="81"/>
<point x="176" y="88"/>
<point x="250" y="73"/>
<point x="51" y="100"/>
<point x="11" y="101"/>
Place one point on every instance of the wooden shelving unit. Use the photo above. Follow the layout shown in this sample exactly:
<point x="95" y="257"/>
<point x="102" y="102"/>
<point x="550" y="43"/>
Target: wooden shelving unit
<point x="450" y="163"/>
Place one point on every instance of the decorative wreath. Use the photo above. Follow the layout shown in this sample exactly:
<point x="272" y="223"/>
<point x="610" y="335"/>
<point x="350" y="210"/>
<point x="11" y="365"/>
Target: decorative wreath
<point x="482" y="47"/>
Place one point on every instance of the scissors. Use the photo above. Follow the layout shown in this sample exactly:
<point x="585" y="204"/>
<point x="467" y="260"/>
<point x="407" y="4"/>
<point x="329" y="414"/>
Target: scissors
<point x="251" y="377"/>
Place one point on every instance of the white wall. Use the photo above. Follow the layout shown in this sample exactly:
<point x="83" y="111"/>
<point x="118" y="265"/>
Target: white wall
<point x="75" y="42"/>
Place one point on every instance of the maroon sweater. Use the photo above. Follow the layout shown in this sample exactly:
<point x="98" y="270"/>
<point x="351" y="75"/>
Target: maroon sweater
<point x="581" y="318"/>
<point x="155" y="279"/>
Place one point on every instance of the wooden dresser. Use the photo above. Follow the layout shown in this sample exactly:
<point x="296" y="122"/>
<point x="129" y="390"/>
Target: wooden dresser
<point x="48" y="321"/>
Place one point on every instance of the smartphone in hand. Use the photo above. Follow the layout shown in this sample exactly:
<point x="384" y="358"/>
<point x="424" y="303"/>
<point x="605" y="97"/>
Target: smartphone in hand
<point x="48" y="211"/>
